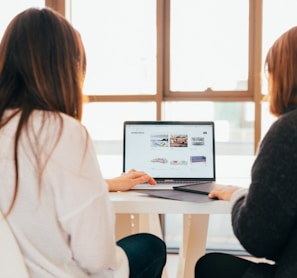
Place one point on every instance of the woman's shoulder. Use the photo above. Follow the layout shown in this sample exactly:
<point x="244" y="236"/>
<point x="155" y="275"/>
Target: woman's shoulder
<point x="289" y="117"/>
<point x="282" y="134"/>
<point x="56" y="125"/>
<point x="286" y="124"/>
<point x="56" y="119"/>
<point x="50" y="116"/>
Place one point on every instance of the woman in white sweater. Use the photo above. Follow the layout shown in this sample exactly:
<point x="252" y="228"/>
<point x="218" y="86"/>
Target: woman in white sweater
<point x="52" y="190"/>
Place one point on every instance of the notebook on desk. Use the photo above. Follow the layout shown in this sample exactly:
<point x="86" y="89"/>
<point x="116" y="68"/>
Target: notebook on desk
<point x="176" y="153"/>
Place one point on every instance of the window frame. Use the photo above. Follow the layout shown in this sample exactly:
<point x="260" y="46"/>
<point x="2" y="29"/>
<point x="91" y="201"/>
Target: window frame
<point x="163" y="92"/>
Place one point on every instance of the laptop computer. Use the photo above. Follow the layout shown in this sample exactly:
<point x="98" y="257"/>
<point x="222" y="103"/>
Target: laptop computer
<point x="175" y="153"/>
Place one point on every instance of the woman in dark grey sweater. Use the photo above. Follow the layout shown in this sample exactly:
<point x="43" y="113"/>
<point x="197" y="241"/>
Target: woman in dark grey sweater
<point x="264" y="219"/>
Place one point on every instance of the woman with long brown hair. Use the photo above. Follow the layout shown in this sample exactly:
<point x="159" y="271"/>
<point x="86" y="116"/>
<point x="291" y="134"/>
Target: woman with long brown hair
<point x="51" y="188"/>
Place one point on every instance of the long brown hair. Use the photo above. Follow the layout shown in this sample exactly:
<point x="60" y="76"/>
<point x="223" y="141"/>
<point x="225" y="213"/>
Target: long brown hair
<point x="281" y="63"/>
<point x="42" y="67"/>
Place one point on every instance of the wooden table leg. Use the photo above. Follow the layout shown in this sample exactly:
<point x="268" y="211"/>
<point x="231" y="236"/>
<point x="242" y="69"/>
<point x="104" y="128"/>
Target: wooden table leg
<point x="123" y="226"/>
<point x="193" y="244"/>
<point x="127" y="224"/>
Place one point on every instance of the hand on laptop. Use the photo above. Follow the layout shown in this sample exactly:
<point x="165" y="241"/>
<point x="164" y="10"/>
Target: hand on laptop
<point x="128" y="180"/>
<point x="223" y="192"/>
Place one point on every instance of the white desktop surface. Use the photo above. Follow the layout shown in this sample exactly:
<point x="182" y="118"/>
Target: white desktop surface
<point x="137" y="212"/>
<point x="134" y="202"/>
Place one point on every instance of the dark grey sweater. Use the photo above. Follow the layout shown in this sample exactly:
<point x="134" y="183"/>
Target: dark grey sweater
<point x="265" y="221"/>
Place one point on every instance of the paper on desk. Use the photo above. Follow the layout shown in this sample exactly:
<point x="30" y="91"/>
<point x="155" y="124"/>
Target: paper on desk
<point x="177" y="195"/>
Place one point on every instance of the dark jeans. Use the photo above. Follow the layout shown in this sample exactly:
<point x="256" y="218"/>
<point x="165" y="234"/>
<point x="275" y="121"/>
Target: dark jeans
<point x="214" y="265"/>
<point x="146" y="254"/>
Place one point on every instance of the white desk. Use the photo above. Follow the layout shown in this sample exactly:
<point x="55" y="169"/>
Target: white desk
<point x="137" y="212"/>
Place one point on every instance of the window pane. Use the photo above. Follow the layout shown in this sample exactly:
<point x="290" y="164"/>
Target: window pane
<point x="209" y="45"/>
<point x="11" y="8"/>
<point x="104" y="121"/>
<point x="120" y="42"/>
<point x="285" y="13"/>
<point x="234" y="122"/>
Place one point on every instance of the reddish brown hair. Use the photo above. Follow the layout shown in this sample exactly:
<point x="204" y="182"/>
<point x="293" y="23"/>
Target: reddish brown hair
<point x="281" y="63"/>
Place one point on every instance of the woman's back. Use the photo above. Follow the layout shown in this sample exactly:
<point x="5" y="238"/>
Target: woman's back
<point x="53" y="212"/>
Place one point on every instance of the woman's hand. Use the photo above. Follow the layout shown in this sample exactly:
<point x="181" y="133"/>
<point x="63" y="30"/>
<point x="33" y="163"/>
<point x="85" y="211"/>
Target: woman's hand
<point x="223" y="192"/>
<point x="128" y="180"/>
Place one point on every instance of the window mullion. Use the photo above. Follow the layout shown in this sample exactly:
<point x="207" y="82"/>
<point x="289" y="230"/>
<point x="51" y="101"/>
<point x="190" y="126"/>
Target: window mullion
<point x="57" y="5"/>
<point x="255" y="58"/>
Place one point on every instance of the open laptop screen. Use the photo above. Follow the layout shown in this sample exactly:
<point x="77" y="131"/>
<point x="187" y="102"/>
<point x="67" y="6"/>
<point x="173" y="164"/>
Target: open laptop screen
<point x="169" y="150"/>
